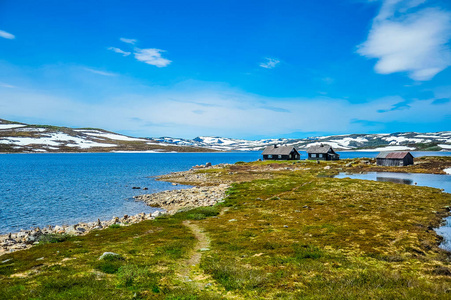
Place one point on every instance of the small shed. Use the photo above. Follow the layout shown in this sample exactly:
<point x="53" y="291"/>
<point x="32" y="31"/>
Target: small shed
<point x="322" y="152"/>
<point x="275" y="152"/>
<point x="394" y="159"/>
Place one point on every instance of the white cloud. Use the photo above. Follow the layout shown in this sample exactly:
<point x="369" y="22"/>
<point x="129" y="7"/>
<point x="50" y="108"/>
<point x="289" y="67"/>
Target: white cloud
<point x="173" y="112"/>
<point x="128" y="41"/>
<point x="7" y="35"/>
<point x="152" y="56"/>
<point x="117" y="50"/>
<point x="406" y="39"/>
<point x="100" y="72"/>
<point x="270" y="63"/>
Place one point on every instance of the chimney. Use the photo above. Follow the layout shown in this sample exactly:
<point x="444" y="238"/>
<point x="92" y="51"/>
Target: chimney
<point x="275" y="146"/>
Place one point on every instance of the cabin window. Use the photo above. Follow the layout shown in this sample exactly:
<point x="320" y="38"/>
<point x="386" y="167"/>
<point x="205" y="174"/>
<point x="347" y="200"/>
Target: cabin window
<point x="313" y="155"/>
<point x="280" y="156"/>
<point x="320" y="155"/>
<point x="269" y="156"/>
<point x="291" y="156"/>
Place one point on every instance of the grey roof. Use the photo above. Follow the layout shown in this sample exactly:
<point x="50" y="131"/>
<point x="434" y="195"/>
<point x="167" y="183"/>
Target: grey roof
<point x="393" y="155"/>
<point x="321" y="148"/>
<point x="278" y="150"/>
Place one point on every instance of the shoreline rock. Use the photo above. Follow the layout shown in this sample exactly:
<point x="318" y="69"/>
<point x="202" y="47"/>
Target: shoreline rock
<point x="25" y="239"/>
<point x="174" y="200"/>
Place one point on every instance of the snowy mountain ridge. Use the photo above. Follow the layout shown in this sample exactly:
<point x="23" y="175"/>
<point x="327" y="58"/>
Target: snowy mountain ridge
<point x="435" y="141"/>
<point x="20" y="137"/>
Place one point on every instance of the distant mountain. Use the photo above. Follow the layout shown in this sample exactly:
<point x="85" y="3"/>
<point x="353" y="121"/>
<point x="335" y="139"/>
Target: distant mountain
<point x="435" y="141"/>
<point x="20" y="137"/>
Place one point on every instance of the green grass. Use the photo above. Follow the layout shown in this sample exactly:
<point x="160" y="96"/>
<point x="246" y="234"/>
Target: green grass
<point x="294" y="236"/>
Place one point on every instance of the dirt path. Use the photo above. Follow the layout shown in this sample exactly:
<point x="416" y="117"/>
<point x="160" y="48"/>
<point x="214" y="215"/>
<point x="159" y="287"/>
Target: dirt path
<point x="191" y="272"/>
<point x="203" y="243"/>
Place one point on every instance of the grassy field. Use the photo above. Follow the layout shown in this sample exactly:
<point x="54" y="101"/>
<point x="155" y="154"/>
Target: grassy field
<point x="285" y="231"/>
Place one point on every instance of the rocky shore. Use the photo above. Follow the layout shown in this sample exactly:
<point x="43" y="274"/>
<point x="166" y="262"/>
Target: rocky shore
<point x="174" y="200"/>
<point x="171" y="201"/>
<point x="25" y="239"/>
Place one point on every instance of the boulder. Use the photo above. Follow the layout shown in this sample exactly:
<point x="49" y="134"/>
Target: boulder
<point x="107" y="254"/>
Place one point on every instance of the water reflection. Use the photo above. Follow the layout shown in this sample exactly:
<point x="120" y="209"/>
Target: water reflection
<point x="395" y="180"/>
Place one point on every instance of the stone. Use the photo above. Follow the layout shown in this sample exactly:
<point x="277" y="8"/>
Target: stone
<point x="208" y="164"/>
<point x="71" y="230"/>
<point x="107" y="254"/>
<point x="232" y="220"/>
<point x="327" y="168"/>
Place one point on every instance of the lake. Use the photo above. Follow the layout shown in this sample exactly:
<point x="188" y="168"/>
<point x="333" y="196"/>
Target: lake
<point x="67" y="188"/>
<point x="431" y="180"/>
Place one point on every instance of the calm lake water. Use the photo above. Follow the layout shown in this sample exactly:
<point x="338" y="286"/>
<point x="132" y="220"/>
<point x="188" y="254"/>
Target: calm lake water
<point x="431" y="180"/>
<point x="56" y="189"/>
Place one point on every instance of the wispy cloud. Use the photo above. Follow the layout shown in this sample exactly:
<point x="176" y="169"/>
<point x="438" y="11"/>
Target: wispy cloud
<point x="128" y="41"/>
<point x="152" y="56"/>
<point x="100" y="72"/>
<point x="117" y="50"/>
<point x="7" y="35"/>
<point x="5" y="85"/>
<point x="270" y="63"/>
<point x="407" y="38"/>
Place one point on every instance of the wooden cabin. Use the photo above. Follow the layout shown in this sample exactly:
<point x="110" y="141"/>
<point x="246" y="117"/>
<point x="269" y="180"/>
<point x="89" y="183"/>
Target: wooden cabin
<point x="275" y="152"/>
<point x="322" y="152"/>
<point x="394" y="159"/>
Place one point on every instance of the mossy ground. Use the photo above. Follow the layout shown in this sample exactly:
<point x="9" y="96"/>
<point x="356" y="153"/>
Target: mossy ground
<point x="286" y="231"/>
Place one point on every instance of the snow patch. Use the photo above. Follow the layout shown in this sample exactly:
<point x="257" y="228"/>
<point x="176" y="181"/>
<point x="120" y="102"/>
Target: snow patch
<point x="444" y="146"/>
<point x="111" y="136"/>
<point x="54" y="139"/>
<point x="447" y="171"/>
<point x="388" y="148"/>
<point x="10" y="126"/>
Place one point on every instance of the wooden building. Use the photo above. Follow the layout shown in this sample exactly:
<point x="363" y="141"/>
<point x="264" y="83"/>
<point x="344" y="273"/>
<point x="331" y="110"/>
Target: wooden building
<point x="275" y="152"/>
<point x="394" y="159"/>
<point x="322" y="152"/>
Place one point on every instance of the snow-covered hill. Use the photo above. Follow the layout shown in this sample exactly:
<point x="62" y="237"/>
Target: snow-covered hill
<point x="20" y="137"/>
<point x="435" y="141"/>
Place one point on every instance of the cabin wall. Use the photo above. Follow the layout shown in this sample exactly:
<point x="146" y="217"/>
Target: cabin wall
<point x="325" y="156"/>
<point x="408" y="160"/>
<point x="282" y="157"/>
<point x="316" y="156"/>
<point x="387" y="162"/>
<point x="276" y="157"/>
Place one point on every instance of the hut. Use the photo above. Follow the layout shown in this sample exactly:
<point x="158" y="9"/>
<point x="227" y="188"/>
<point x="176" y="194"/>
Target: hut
<point x="394" y="159"/>
<point x="275" y="152"/>
<point x="322" y="152"/>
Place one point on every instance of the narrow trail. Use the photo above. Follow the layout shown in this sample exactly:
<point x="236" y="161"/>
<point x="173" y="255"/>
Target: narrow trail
<point x="190" y="271"/>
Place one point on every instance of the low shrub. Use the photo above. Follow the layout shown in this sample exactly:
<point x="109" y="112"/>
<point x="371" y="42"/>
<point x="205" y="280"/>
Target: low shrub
<point x="52" y="238"/>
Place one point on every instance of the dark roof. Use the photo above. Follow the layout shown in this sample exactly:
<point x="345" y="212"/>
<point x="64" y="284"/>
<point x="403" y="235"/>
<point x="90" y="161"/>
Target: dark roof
<point x="321" y="148"/>
<point x="278" y="150"/>
<point x="393" y="155"/>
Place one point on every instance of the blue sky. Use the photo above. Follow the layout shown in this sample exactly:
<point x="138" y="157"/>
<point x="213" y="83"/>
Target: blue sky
<point x="243" y="69"/>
